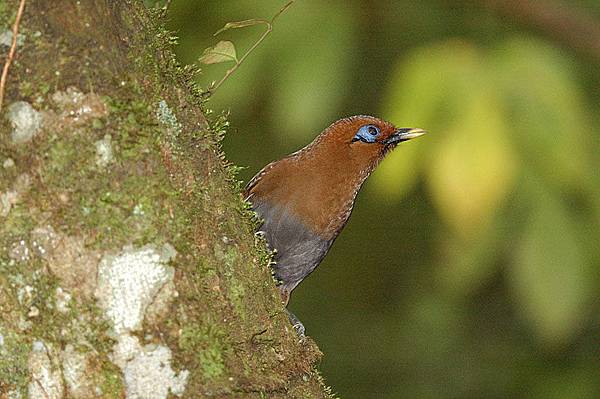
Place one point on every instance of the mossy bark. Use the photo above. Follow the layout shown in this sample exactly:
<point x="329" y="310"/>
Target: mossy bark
<point x="124" y="159"/>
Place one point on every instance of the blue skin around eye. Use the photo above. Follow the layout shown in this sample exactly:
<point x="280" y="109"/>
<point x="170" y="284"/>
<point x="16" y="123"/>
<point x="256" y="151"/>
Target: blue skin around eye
<point x="364" y="135"/>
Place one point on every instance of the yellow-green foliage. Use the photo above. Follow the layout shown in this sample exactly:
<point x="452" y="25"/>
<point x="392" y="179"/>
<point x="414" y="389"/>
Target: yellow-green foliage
<point x="508" y="129"/>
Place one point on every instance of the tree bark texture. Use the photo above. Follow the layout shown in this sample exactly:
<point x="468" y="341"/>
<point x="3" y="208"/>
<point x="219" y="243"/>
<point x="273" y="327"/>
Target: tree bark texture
<point x="128" y="263"/>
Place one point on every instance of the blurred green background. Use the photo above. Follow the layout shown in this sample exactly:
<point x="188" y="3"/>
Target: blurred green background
<point x="480" y="276"/>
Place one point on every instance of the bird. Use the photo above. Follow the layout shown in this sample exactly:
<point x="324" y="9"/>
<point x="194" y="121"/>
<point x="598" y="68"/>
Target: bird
<point x="304" y="200"/>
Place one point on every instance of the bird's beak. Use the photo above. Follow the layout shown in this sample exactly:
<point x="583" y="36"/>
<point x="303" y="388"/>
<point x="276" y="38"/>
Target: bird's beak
<point x="403" y="134"/>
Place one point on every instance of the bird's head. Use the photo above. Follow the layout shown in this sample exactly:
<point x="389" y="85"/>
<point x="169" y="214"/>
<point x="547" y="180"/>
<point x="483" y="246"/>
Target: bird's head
<point x="365" y="139"/>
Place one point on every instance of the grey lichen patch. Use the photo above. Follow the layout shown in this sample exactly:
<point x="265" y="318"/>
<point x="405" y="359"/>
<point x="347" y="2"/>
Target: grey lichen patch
<point x="77" y="108"/>
<point x="149" y="374"/>
<point x="44" y="367"/>
<point x="6" y="38"/>
<point x="8" y="163"/>
<point x="138" y="210"/>
<point x="125" y="349"/>
<point x="25" y="120"/>
<point x="7" y="200"/>
<point x="128" y="283"/>
<point x="15" y="195"/>
<point x="166" y="116"/>
<point x="19" y="251"/>
<point x="77" y="373"/>
<point x="68" y="259"/>
<point x="25" y="294"/>
<point x="28" y="297"/>
<point x="104" y="152"/>
<point x="63" y="299"/>
<point x="147" y="370"/>
<point x="73" y="108"/>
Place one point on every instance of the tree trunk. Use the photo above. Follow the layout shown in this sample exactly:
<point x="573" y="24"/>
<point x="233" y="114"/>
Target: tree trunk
<point x="128" y="263"/>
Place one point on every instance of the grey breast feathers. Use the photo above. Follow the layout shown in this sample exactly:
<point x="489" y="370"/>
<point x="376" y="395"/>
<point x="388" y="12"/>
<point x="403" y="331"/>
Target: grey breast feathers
<point x="299" y="250"/>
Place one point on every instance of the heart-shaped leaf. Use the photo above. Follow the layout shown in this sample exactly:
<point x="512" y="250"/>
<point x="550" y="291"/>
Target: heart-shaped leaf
<point x="223" y="51"/>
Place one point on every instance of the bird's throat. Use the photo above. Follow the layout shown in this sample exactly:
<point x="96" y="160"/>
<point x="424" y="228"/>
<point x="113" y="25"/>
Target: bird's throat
<point x="323" y="198"/>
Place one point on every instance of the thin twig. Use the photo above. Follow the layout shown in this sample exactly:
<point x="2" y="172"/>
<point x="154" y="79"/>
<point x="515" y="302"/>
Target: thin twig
<point x="11" y="53"/>
<point x="251" y="49"/>
<point x="282" y="10"/>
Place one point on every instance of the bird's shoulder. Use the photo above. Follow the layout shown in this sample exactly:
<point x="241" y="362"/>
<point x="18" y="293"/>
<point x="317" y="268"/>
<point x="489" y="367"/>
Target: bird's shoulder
<point x="257" y="177"/>
<point x="273" y="176"/>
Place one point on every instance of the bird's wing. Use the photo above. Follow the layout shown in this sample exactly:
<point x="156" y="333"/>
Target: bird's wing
<point x="299" y="250"/>
<point x="252" y="183"/>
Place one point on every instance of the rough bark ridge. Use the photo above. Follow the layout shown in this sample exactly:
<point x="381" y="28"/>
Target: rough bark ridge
<point x="128" y="266"/>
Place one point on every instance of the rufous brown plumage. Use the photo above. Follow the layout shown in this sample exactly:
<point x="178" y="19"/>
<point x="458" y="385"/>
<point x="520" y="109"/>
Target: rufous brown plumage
<point x="306" y="198"/>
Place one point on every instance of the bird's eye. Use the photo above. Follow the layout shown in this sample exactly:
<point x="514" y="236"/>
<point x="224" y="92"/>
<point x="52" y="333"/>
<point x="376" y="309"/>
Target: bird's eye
<point x="367" y="134"/>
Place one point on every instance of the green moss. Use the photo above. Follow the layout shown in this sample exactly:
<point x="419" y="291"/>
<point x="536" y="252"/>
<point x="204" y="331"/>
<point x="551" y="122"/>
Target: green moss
<point x="130" y="213"/>
<point x="237" y="294"/>
<point x="229" y="257"/>
<point x="48" y="324"/>
<point x="211" y="362"/>
<point x="111" y="382"/>
<point x="26" y="88"/>
<point x="16" y="226"/>
<point x="207" y="341"/>
<point x="64" y="156"/>
<point x="14" y="353"/>
<point x="5" y="15"/>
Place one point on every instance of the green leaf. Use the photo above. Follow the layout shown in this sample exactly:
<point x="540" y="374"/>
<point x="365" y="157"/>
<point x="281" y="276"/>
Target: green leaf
<point x="551" y="276"/>
<point x="472" y="169"/>
<point x="542" y="98"/>
<point x="223" y="51"/>
<point x="422" y="93"/>
<point x="241" y="24"/>
<point x="467" y="156"/>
